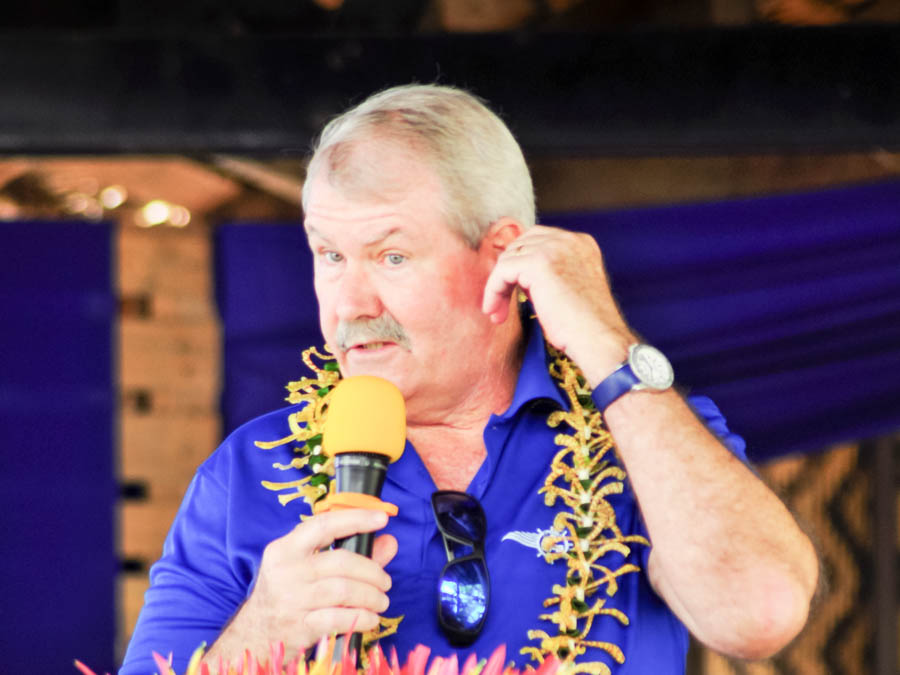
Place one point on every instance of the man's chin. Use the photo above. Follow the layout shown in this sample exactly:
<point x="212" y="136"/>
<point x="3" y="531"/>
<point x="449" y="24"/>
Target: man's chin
<point x="381" y="362"/>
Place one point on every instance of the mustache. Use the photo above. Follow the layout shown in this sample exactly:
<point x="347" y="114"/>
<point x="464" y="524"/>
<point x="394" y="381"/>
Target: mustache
<point x="383" y="328"/>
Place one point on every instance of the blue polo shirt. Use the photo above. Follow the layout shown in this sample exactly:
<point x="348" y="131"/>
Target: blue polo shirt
<point x="212" y="553"/>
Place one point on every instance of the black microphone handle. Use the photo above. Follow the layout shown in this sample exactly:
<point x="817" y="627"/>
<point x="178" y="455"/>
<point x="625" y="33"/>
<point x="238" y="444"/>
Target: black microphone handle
<point x="361" y="472"/>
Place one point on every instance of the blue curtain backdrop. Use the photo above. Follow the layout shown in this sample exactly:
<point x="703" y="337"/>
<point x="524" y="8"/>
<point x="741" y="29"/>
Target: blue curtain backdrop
<point x="57" y="488"/>
<point x="785" y="309"/>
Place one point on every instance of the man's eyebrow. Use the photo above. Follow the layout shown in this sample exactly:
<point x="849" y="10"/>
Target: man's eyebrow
<point x="378" y="237"/>
<point x="312" y="231"/>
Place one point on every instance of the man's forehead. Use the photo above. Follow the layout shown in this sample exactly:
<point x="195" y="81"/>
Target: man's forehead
<point x="375" y="215"/>
<point x="377" y="205"/>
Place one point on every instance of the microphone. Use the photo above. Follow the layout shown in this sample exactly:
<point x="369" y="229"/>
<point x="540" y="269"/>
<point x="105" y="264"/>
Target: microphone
<point x="364" y="431"/>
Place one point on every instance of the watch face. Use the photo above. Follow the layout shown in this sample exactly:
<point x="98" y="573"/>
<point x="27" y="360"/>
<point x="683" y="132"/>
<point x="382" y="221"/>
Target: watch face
<point x="651" y="367"/>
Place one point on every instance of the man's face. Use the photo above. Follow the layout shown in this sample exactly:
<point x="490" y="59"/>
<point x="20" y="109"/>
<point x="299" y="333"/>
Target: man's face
<point x="399" y="292"/>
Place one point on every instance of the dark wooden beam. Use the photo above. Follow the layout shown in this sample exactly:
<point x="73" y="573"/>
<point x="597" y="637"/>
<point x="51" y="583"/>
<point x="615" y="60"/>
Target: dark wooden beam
<point x="634" y="93"/>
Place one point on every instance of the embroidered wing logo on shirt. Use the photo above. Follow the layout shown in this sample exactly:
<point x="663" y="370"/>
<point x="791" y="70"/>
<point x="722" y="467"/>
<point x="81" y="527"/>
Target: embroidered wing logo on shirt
<point x="536" y="539"/>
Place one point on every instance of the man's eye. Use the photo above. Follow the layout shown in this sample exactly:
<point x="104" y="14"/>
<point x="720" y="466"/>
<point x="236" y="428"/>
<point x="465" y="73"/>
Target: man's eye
<point x="395" y="258"/>
<point x="333" y="256"/>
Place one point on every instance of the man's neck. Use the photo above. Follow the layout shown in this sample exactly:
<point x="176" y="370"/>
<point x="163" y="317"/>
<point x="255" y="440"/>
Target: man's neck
<point x="451" y="444"/>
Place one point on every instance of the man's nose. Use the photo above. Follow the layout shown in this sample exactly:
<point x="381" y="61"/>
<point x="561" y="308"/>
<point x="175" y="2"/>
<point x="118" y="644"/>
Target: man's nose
<point x="357" y="297"/>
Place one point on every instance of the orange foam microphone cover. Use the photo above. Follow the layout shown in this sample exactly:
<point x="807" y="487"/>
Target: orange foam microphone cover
<point x="365" y="414"/>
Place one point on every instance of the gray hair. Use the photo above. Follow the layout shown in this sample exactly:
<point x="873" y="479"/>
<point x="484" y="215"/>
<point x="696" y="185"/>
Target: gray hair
<point x="480" y="165"/>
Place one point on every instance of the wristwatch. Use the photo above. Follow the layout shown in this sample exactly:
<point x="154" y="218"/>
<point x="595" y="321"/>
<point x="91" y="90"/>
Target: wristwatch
<point x="646" y="368"/>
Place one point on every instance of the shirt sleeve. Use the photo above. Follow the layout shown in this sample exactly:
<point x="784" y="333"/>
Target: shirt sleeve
<point x="193" y="589"/>
<point x="709" y="414"/>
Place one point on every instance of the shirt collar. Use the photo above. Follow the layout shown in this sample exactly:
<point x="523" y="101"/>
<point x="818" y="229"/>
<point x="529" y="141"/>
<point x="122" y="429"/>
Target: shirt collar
<point x="534" y="381"/>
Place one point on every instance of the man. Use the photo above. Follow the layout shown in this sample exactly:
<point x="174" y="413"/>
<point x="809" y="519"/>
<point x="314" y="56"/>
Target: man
<point x="420" y="216"/>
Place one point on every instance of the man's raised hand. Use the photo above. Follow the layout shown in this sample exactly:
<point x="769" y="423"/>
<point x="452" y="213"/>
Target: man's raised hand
<point x="563" y="275"/>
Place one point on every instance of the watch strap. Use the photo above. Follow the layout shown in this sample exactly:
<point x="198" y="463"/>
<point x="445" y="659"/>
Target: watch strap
<point x="619" y="382"/>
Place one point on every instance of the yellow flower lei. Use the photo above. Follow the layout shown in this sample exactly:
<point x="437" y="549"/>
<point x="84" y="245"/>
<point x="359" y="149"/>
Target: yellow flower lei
<point x="582" y="475"/>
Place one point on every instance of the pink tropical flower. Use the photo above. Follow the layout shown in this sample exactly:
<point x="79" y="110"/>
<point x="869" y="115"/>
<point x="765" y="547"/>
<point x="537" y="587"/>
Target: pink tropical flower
<point x="323" y="664"/>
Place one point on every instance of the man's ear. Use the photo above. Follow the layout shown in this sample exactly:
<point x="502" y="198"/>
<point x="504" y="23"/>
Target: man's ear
<point x="500" y="234"/>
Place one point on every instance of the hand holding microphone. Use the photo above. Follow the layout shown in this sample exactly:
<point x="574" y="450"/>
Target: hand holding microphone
<point x="303" y="590"/>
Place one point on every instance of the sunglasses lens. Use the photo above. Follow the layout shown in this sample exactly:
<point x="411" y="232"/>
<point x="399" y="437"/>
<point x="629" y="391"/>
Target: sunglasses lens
<point x="460" y="515"/>
<point x="463" y="595"/>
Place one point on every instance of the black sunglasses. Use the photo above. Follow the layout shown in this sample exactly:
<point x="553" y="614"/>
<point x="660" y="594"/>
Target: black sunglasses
<point x="464" y="586"/>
